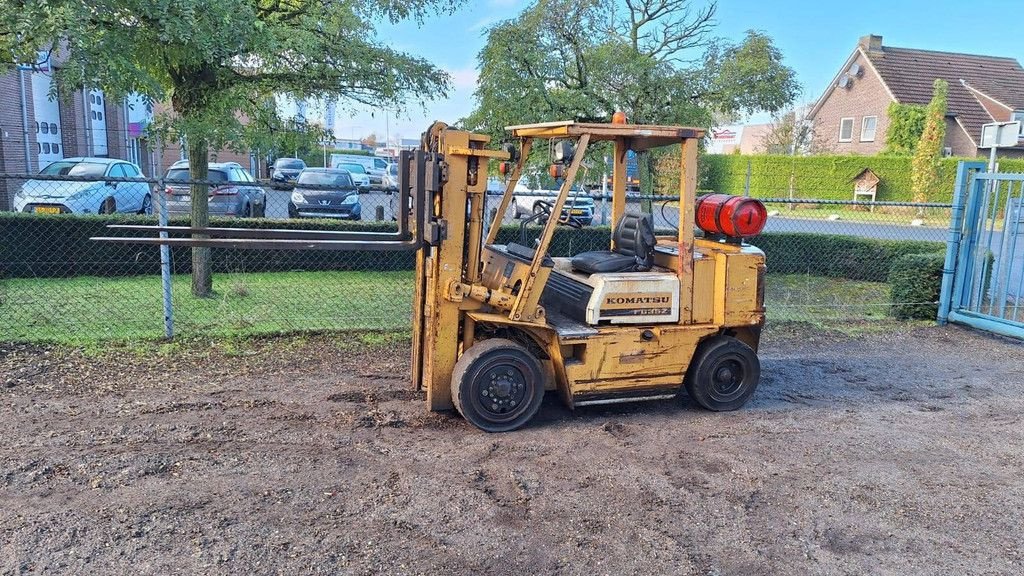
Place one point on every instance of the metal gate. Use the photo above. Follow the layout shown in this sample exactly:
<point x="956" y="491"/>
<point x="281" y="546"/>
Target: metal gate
<point x="983" y="280"/>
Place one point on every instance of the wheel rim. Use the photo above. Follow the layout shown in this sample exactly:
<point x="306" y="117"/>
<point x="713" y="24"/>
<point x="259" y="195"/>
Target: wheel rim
<point x="503" y="389"/>
<point x="147" y="205"/>
<point x="727" y="378"/>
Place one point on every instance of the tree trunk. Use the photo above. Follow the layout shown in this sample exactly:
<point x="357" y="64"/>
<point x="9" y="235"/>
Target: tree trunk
<point x="198" y="165"/>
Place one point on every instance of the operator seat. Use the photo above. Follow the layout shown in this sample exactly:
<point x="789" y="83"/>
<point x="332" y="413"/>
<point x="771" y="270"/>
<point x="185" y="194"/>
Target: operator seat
<point x="634" y="249"/>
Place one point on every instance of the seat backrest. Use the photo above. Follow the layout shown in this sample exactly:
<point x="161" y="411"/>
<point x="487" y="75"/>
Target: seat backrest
<point x="634" y="236"/>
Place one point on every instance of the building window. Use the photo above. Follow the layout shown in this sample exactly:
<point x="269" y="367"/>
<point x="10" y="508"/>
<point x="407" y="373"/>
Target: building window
<point x="37" y="127"/>
<point x="867" y="128"/>
<point x="46" y="128"/>
<point x="1018" y="116"/>
<point x="55" y="149"/>
<point x="46" y="147"/>
<point x="53" y="128"/>
<point x="99" y="115"/>
<point x="846" y="130"/>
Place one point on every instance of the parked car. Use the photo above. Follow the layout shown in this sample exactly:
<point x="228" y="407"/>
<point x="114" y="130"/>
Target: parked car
<point x="325" y="193"/>
<point x="233" y="191"/>
<point x="358" y="173"/>
<point x="376" y="168"/>
<point x="98" y="194"/>
<point x="285" y="171"/>
<point x="391" y="178"/>
<point x="579" y="206"/>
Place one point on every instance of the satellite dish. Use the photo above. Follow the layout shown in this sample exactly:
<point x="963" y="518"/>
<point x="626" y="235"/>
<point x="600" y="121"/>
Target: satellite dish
<point x="844" y="81"/>
<point x="855" y="70"/>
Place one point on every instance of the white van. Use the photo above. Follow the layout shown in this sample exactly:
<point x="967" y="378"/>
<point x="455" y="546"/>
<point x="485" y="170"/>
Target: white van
<point x="376" y="167"/>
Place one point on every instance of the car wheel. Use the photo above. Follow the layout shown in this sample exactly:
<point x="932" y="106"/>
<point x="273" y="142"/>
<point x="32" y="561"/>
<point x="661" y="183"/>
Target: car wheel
<point x="109" y="206"/>
<point x="147" y="205"/>
<point x="249" y="211"/>
<point x="293" y="212"/>
<point x="723" y="374"/>
<point x="497" y="385"/>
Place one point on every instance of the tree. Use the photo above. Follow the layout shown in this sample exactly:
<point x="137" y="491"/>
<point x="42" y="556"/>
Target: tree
<point x="925" y="178"/>
<point x="790" y="133"/>
<point x="370" y="140"/>
<point x="655" y="60"/>
<point x="906" y="124"/>
<point x="220" y="64"/>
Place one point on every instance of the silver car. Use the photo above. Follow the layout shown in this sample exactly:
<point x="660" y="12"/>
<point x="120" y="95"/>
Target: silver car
<point x="232" y="192"/>
<point x="97" y="193"/>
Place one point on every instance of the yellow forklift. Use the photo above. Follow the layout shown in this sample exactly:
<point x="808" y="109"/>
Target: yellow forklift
<point x="496" y="325"/>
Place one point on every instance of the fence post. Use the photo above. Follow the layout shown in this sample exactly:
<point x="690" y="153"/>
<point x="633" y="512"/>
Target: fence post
<point x="165" y="253"/>
<point x="956" y="223"/>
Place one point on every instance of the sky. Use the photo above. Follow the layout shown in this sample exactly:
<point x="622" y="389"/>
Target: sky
<point x="815" y="38"/>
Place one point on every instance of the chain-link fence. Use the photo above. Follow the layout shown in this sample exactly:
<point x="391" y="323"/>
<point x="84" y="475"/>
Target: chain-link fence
<point x="829" y="262"/>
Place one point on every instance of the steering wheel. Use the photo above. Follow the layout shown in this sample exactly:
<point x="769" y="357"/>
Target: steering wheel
<point x="546" y="208"/>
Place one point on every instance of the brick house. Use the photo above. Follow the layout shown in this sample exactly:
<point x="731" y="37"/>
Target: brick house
<point x="851" y="117"/>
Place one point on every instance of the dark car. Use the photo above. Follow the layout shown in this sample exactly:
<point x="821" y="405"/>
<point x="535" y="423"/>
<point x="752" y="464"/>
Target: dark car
<point x="232" y="192"/>
<point x="285" y="172"/>
<point x="325" y="193"/>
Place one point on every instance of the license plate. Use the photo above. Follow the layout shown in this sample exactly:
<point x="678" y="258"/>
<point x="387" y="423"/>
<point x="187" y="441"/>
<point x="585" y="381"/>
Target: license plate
<point x="47" y="210"/>
<point x="576" y="212"/>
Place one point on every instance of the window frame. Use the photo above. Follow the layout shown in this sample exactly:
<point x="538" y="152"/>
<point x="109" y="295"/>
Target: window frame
<point x="852" y="120"/>
<point x="874" y="128"/>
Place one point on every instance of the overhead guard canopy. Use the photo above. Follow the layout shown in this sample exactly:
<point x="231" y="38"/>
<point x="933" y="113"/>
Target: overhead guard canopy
<point x="641" y="137"/>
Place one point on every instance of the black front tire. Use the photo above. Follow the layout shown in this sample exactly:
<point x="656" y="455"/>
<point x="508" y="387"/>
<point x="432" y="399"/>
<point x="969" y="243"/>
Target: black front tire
<point x="497" y="385"/>
<point x="723" y="375"/>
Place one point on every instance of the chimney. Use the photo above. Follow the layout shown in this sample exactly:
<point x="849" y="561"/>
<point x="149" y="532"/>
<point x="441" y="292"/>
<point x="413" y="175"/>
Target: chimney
<point x="872" y="44"/>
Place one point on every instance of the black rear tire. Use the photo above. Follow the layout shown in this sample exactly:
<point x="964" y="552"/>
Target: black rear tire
<point x="723" y="374"/>
<point x="497" y="385"/>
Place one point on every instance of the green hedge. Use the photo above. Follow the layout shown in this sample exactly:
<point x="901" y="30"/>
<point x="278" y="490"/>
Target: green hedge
<point x="914" y="282"/>
<point x="824" y="177"/>
<point x="849" y="257"/>
<point x="59" y="246"/>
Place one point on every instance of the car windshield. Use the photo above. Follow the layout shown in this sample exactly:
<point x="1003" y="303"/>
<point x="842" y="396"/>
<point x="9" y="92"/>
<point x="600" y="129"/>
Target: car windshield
<point x="181" y="175"/>
<point x="353" y="168"/>
<point x="339" y="179"/>
<point x="289" y="164"/>
<point x="85" y="169"/>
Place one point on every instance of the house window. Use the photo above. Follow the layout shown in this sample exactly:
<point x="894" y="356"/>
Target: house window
<point x="846" y="130"/>
<point x="867" y="128"/>
<point x="1018" y="116"/>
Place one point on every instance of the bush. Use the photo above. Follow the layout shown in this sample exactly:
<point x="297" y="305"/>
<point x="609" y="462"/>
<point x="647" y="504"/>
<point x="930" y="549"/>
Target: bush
<point x="914" y="282"/>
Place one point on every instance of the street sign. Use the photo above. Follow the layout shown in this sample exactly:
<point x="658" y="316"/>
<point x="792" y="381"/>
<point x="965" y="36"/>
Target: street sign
<point x="1000" y="134"/>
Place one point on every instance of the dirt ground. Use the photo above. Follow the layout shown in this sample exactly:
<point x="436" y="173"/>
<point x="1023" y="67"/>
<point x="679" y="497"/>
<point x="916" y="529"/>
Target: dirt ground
<point x="894" y="454"/>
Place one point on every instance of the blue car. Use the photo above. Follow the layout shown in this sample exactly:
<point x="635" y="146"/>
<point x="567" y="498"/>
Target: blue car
<point x="325" y="193"/>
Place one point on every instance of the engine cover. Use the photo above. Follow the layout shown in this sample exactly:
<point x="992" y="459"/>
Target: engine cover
<point x="633" y="298"/>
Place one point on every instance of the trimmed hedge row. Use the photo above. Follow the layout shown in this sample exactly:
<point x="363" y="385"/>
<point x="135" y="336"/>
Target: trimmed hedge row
<point x="59" y="246"/>
<point x="37" y="246"/>
<point x="914" y="282"/>
<point x="849" y="257"/>
<point x="824" y="177"/>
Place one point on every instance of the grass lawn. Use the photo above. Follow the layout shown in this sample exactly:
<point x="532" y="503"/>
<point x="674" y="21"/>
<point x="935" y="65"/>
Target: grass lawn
<point x="86" y="309"/>
<point x="91" y="309"/>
